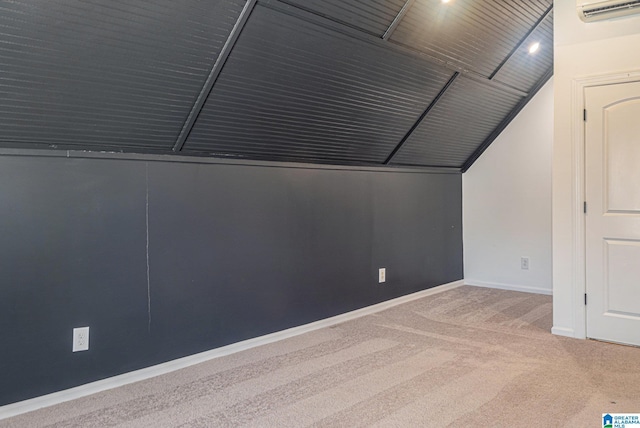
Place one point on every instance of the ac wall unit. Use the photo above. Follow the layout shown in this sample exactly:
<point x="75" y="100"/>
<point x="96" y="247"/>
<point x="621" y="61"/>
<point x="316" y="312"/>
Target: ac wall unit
<point x="598" y="10"/>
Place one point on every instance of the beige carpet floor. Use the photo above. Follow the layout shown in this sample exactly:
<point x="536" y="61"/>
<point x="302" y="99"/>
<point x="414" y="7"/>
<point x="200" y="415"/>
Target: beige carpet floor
<point x="468" y="357"/>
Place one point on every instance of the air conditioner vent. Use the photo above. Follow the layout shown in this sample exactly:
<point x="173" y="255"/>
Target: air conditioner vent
<point x="601" y="10"/>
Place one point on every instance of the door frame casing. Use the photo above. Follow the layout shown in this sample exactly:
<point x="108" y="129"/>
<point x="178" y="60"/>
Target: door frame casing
<point x="578" y="188"/>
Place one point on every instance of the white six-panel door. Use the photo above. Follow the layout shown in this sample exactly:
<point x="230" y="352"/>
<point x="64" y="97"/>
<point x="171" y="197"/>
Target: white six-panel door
<point x="612" y="139"/>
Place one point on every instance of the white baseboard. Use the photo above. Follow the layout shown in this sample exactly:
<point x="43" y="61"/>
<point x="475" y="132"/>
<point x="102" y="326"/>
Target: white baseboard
<point x="563" y="331"/>
<point x="501" y="286"/>
<point x="160" y="369"/>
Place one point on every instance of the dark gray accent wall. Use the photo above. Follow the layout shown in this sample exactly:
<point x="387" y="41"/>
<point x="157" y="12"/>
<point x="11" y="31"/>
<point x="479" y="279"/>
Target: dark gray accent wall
<point x="73" y="253"/>
<point x="232" y="252"/>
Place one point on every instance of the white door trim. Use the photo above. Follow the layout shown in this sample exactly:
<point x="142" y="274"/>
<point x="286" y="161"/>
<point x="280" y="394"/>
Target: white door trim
<point x="578" y="283"/>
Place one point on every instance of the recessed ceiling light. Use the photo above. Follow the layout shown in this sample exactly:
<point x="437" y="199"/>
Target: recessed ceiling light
<point x="534" y="47"/>
<point x="445" y="1"/>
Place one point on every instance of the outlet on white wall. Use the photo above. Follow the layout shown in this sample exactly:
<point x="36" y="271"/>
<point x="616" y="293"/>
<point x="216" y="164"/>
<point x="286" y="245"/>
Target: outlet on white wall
<point x="382" y="275"/>
<point x="524" y="263"/>
<point x="80" y="339"/>
<point x="520" y="158"/>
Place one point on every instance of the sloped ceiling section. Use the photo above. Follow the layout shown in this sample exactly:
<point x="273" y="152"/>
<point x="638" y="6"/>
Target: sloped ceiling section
<point x="352" y="82"/>
<point x="297" y="91"/>
<point x="371" y="16"/>
<point x="105" y="75"/>
<point x="467" y="113"/>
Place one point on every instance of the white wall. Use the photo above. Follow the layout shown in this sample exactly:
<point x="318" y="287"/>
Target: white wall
<point x="581" y="50"/>
<point x="507" y="203"/>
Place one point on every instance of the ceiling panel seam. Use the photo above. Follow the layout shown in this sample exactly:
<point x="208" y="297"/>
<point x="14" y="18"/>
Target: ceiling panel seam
<point x="216" y="69"/>
<point x="521" y="42"/>
<point x="505" y="122"/>
<point x="168" y="157"/>
<point x="341" y="82"/>
<point x="321" y="15"/>
<point x="293" y="88"/>
<point x="396" y="21"/>
<point x="494" y="84"/>
<point x="300" y="13"/>
<point x="421" y="118"/>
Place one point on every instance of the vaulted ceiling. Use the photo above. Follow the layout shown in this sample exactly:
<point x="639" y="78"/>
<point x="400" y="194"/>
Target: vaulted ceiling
<point x="355" y="82"/>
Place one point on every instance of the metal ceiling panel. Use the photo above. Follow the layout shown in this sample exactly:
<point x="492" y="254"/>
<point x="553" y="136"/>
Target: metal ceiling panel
<point x="523" y="70"/>
<point x="105" y="74"/>
<point x="372" y="16"/>
<point x="293" y="90"/>
<point x="458" y="124"/>
<point x="468" y="34"/>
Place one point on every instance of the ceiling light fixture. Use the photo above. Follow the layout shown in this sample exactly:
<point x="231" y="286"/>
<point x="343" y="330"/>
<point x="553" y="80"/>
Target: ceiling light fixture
<point x="445" y="1"/>
<point x="534" y="47"/>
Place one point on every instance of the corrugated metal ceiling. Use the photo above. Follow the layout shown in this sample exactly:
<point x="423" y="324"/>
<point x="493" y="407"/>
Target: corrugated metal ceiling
<point x="466" y="114"/>
<point x="304" y="92"/>
<point x="372" y="16"/>
<point x="469" y="34"/>
<point x="400" y="82"/>
<point x="523" y="70"/>
<point x="105" y="74"/>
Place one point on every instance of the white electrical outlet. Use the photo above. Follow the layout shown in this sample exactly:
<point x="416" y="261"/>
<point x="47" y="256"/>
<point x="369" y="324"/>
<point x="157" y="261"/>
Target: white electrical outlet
<point x="524" y="263"/>
<point x="80" y="339"/>
<point x="382" y="275"/>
